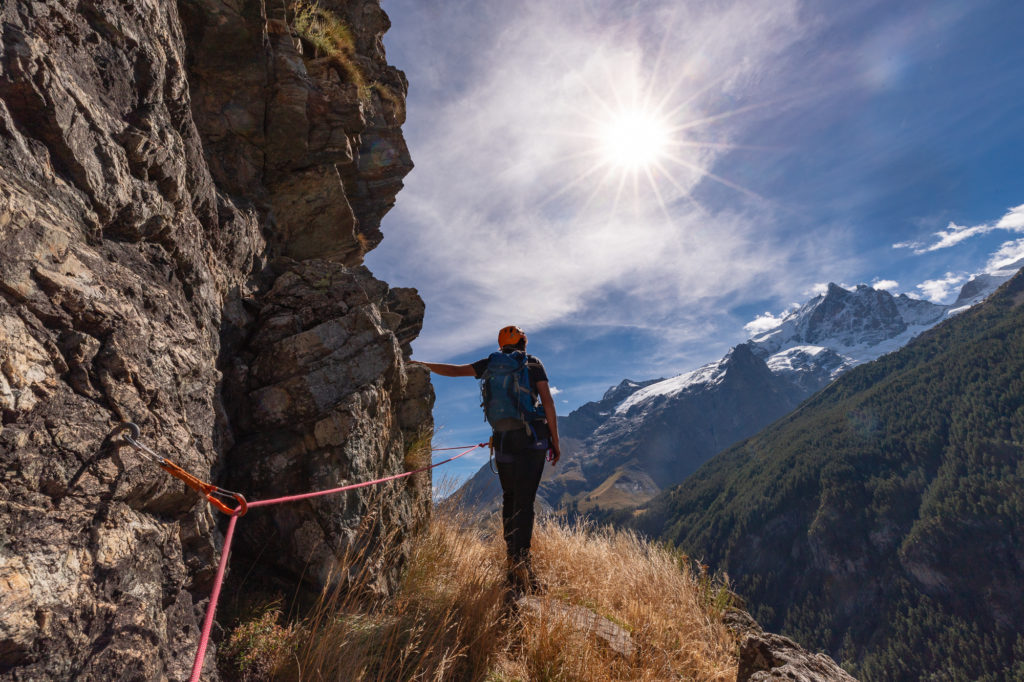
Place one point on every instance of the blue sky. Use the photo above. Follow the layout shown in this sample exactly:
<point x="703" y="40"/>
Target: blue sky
<point x="782" y="145"/>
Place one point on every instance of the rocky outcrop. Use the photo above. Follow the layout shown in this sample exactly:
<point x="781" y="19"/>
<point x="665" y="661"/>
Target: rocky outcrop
<point x="767" y="657"/>
<point x="579" y="618"/>
<point x="155" y="156"/>
<point x="324" y="400"/>
<point x="764" y="657"/>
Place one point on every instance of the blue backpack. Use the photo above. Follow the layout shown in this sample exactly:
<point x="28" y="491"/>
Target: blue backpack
<point x="508" y="400"/>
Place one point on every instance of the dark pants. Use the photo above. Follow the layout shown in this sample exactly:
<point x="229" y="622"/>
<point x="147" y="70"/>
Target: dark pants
<point x="519" y="470"/>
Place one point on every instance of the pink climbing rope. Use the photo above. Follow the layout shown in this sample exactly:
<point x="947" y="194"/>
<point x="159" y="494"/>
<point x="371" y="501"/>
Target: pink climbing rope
<point x="319" y="493"/>
<point x="204" y="637"/>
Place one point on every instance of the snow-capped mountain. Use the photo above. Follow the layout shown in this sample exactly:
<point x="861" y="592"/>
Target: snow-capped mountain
<point x="644" y="436"/>
<point x="591" y="415"/>
<point x="840" y="318"/>
<point x="812" y="344"/>
<point x="702" y="377"/>
<point x="842" y="328"/>
<point x="809" y="367"/>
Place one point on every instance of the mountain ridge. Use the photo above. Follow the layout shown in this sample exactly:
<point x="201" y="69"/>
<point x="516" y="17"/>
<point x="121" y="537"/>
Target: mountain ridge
<point x="643" y="436"/>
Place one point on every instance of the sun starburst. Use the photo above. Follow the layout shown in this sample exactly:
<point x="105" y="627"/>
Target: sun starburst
<point x="647" y="139"/>
<point x="634" y="139"/>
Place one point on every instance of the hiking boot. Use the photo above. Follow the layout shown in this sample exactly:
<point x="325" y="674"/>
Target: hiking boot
<point x="510" y="596"/>
<point x="522" y="579"/>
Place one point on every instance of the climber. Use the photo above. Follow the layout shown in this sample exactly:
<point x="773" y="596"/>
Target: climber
<point x="525" y="429"/>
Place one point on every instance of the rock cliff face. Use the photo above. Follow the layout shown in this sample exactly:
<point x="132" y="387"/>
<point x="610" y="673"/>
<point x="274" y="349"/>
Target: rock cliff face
<point x="186" y="193"/>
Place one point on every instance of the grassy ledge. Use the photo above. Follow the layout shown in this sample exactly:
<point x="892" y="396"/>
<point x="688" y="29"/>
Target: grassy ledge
<point x="448" y="619"/>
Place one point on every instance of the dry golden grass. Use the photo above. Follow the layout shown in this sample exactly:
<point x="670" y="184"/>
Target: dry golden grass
<point x="670" y="612"/>
<point x="322" y="28"/>
<point x="331" y="38"/>
<point x="449" y="621"/>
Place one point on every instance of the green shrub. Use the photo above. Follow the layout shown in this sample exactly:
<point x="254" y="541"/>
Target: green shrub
<point x="258" y="648"/>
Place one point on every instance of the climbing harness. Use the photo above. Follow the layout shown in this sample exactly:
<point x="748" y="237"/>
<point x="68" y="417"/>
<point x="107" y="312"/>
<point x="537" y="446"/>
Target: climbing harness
<point x="212" y="492"/>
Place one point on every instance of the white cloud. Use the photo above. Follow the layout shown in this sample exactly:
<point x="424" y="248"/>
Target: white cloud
<point x="768" y="320"/>
<point x="887" y="284"/>
<point x="1009" y="253"/>
<point x="763" y="323"/>
<point x="821" y="288"/>
<point x="953" y="235"/>
<point x="1013" y="221"/>
<point x="817" y="289"/>
<point x="555" y="390"/>
<point x="939" y="290"/>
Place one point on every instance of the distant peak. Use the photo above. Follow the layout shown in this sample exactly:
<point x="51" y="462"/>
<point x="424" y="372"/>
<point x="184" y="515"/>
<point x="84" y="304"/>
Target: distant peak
<point x="742" y="354"/>
<point x="625" y="388"/>
<point x="741" y="350"/>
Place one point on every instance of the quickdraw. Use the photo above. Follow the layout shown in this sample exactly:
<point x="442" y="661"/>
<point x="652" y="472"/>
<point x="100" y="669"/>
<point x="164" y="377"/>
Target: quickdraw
<point x="211" y="492"/>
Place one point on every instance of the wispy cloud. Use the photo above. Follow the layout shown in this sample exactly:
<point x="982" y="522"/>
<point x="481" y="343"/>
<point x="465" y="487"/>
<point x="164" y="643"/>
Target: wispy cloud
<point x="886" y="284"/>
<point x="821" y="288"/>
<point x="1013" y="221"/>
<point x="512" y="217"/>
<point x="817" y="289"/>
<point x="941" y="289"/>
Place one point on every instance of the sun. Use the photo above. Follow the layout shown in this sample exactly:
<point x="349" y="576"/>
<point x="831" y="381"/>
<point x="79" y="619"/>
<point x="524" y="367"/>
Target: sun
<point x="634" y="140"/>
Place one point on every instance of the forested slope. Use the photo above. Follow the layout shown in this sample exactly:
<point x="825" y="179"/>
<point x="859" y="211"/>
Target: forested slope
<point x="882" y="521"/>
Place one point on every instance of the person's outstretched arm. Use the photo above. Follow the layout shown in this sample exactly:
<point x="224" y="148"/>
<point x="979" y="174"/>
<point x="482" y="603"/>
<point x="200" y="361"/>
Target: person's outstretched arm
<point x="549" y="413"/>
<point x="448" y="370"/>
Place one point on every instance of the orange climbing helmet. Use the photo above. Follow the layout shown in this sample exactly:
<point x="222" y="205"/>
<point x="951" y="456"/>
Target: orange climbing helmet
<point x="510" y="336"/>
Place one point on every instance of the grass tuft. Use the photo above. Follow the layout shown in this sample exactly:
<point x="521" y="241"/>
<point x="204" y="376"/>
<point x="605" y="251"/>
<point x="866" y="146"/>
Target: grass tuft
<point x="258" y="647"/>
<point x="329" y="37"/>
<point x="417" y="449"/>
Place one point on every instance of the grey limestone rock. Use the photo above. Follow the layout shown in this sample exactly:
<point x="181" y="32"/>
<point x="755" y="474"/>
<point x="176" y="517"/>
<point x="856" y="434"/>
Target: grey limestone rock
<point x="155" y="156"/>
